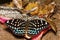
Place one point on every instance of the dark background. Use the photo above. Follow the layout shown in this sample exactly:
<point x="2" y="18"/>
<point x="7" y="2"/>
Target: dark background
<point x="5" y="1"/>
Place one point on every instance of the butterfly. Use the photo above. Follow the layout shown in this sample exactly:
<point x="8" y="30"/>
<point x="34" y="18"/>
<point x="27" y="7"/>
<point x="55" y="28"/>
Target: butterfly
<point x="29" y="27"/>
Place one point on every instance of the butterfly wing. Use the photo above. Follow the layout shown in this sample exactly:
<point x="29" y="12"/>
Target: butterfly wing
<point x="17" y="26"/>
<point x="36" y="26"/>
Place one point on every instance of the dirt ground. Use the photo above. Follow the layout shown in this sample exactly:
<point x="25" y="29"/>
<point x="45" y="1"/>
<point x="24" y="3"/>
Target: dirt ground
<point x="4" y="35"/>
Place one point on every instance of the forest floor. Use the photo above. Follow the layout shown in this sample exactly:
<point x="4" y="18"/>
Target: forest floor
<point x="4" y="35"/>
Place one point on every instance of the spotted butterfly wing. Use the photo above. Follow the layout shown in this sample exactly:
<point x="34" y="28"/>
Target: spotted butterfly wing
<point x="36" y="26"/>
<point x="17" y="26"/>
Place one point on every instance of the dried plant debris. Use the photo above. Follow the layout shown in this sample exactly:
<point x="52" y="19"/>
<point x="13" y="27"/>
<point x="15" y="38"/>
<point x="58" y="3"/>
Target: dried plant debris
<point x="10" y="12"/>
